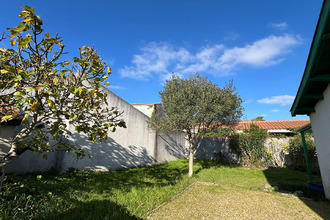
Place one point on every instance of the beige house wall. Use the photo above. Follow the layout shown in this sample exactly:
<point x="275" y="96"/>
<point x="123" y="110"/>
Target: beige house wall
<point x="320" y="121"/>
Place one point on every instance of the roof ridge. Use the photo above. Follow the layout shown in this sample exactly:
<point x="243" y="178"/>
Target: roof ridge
<point x="276" y="120"/>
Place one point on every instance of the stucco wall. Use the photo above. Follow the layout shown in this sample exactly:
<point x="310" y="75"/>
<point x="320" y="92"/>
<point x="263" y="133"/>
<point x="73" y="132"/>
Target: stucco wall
<point x="320" y="121"/>
<point x="171" y="146"/>
<point x="29" y="161"/>
<point x="6" y="132"/>
<point x="214" y="148"/>
<point x="134" y="146"/>
<point x="126" y="148"/>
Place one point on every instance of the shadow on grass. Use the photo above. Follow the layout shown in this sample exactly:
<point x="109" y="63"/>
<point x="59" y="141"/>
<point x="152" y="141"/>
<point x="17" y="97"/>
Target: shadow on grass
<point x="95" y="209"/>
<point x="53" y="196"/>
<point x="206" y="164"/>
<point x="290" y="181"/>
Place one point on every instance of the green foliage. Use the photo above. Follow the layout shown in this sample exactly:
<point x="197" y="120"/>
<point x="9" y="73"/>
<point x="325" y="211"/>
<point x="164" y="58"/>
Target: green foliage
<point x="259" y="118"/>
<point x="250" y="146"/>
<point x="194" y="105"/>
<point x="297" y="154"/>
<point x="51" y="92"/>
<point x="92" y="195"/>
<point x="197" y="103"/>
<point x="218" y="132"/>
<point x="126" y="194"/>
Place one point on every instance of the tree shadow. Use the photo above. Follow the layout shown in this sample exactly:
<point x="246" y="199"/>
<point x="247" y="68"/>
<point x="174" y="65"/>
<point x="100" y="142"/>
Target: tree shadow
<point x="106" y="156"/>
<point x="64" y="188"/>
<point x="171" y="146"/>
<point x="93" y="210"/>
<point x="216" y="149"/>
<point x="290" y="181"/>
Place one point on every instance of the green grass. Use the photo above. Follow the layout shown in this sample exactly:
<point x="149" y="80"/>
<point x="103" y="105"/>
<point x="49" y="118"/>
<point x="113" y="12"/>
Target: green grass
<point x="127" y="194"/>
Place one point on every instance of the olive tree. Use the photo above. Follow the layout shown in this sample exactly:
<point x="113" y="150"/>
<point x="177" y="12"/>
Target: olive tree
<point x="194" y="105"/>
<point x="51" y="93"/>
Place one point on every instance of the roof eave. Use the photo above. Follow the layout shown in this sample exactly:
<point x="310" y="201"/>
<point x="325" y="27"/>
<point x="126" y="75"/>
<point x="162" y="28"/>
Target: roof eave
<point x="313" y="57"/>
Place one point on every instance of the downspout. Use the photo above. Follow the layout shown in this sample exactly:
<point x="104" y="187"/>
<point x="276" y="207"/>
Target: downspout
<point x="309" y="169"/>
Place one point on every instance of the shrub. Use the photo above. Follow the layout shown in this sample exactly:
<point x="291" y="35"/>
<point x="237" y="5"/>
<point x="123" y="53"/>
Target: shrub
<point x="250" y="146"/>
<point x="297" y="154"/>
<point x="218" y="132"/>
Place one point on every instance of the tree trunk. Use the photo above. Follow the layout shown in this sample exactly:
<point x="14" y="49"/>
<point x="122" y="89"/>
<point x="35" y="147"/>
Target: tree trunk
<point x="2" y="177"/>
<point x="10" y="156"/>
<point x="191" y="161"/>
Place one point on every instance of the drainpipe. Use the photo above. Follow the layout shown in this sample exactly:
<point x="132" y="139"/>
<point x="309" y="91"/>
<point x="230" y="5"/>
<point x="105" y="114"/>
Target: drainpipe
<point x="309" y="170"/>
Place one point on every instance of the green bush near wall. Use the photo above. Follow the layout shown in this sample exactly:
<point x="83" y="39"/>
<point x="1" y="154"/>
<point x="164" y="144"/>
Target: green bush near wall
<point x="218" y="132"/>
<point x="297" y="155"/>
<point x="250" y="146"/>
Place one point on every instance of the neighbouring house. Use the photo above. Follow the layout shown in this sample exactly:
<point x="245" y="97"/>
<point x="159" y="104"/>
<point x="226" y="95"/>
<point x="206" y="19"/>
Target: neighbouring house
<point x="148" y="108"/>
<point x="313" y="96"/>
<point x="281" y="127"/>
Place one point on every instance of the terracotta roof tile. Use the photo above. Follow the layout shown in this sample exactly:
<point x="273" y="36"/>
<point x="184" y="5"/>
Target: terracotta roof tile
<point x="15" y="111"/>
<point x="270" y="125"/>
<point x="146" y="103"/>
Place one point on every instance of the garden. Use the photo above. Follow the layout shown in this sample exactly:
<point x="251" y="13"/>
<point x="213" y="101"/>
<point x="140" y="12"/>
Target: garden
<point x="151" y="192"/>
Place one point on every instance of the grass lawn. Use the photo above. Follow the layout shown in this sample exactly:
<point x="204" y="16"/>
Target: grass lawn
<point x="220" y="192"/>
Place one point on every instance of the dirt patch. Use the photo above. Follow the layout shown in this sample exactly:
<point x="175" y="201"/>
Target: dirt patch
<point x="229" y="200"/>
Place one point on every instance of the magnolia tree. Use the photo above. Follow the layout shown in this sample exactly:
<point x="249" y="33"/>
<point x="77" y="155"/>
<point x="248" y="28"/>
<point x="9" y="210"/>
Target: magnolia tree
<point x="51" y="93"/>
<point x="194" y="105"/>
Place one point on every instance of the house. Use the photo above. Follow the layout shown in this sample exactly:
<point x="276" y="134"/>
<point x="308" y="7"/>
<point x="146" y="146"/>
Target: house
<point x="313" y="96"/>
<point x="280" y="127"/>
<point x="148" y="108"/>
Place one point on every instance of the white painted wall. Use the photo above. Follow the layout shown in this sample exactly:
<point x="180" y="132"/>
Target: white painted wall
<point x="134" y="146"/>
<point x="6" y="132"/>
<point x="171" y="146"/>
<point x="320" y="121"/>
<point x="126" y="148"/>
<point x="29" y="161"/>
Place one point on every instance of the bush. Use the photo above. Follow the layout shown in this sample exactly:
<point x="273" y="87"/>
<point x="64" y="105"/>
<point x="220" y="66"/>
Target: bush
<point x="297" y="154"/>
<point x="218" y="132"/>
<point x="250" y="146"/>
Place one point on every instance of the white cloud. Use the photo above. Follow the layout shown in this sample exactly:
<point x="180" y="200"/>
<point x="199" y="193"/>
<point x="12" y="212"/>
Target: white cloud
<point x="280" y="26"/>
<point x="162" y="58"/>
<point x="116" y="87"/>
<point x="232" y="36"/>
<point x="155" y="59"/>
<point x="264" y="52"/>
<point x="282" y="100"/>
<point x="275" y="110"/>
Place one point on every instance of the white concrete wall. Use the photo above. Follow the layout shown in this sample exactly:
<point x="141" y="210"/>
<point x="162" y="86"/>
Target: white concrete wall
<point x="29" y="161"/>
<point x="320" y="121"/>
<point x="6" y="133"/>
<point x="126" y="148"/>
<point x="211" y="146"/>
<point x="171" y="146"/>
<point x="134" y="146"/>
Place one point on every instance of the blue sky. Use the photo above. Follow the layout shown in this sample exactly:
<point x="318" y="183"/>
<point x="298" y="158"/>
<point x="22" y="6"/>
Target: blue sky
<point x="262" y="45"/>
